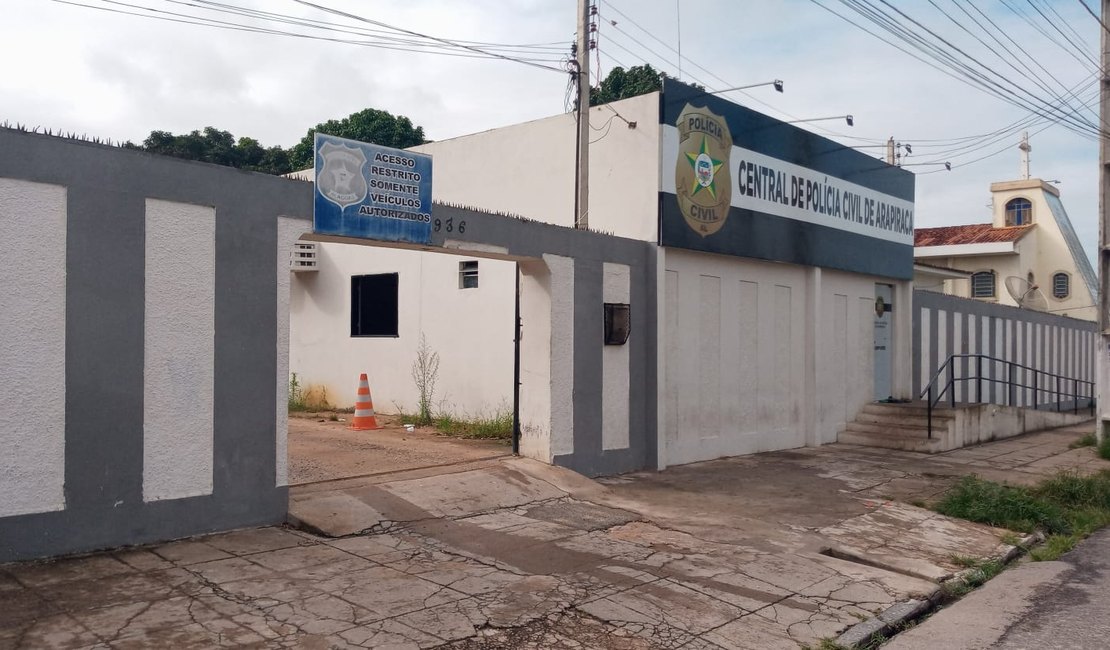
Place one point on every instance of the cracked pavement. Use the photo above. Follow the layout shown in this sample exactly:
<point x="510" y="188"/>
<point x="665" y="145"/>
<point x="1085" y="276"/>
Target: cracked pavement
<point x="776" y="550"/>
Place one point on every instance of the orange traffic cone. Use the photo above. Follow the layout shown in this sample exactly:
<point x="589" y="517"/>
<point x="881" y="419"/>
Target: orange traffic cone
<point x="364" y="419"/>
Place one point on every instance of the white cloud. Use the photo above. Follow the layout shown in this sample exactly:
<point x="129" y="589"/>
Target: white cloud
<point x="120" y="77"/>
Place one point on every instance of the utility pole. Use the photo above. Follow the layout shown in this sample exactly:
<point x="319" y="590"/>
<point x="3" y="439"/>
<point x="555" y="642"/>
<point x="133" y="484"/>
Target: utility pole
<point x="582" y="150"/>
<point x="890" y="159"/>
<point x="1102" y="360"/>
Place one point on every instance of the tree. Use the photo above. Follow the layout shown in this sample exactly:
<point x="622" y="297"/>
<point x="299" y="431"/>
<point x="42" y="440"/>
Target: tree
<point x="368" y="125"/>
<point x="221" y="148"/>
<point x="621" y="84"/>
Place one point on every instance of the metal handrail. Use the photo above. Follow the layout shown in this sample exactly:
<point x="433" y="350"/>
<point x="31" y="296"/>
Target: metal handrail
<point x="1012" y="369"/>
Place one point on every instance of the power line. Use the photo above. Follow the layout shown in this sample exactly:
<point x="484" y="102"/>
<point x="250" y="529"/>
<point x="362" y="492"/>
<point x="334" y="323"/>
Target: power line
<point x="418" y="34"/>
<point x="386" y="43"/>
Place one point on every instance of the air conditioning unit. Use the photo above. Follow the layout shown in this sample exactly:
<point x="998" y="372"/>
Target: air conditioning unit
<point x="303" y="256"/>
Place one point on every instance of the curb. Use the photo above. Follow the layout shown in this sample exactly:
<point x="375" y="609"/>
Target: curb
<point x="898" y="614"/>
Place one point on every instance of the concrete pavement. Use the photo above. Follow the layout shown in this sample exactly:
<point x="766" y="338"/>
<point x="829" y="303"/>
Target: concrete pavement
<point x="1036" y="605"/>
<point x="768" y="551"/>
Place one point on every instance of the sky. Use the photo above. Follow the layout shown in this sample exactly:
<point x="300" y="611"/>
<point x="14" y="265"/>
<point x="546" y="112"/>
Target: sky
<point x="116" y="76"/>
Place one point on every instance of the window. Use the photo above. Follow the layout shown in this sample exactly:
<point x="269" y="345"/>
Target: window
<point x="1061" y="285"/>
<point x="1019" y="212"/>
<point x="982" y="284"/>
<point x="468" y="274"/>
<point x="374" y="305"/>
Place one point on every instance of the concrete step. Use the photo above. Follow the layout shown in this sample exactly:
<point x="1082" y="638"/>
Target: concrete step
<point x="902" y="420"/>
<point x="905" y="443"/>
<point x="904" y="430"/>
<point x="912" y="409"/>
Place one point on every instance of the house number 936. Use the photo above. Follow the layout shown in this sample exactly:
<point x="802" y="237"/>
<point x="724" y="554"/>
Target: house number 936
<point x="449" y="225"/>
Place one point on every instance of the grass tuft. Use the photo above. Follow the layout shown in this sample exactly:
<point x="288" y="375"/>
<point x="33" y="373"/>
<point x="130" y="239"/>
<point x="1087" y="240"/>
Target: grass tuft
<point x="1086" y="441"/>
<point x="494" y="426"/>
<point x="1005" y="506"/>
<point x="1104" y="449"/>
<point x="1067" y="507"/>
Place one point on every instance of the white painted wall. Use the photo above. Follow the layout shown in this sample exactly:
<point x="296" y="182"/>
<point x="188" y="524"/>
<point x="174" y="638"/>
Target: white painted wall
<point x="735" y="356"/>
<point x="845" y="349"/>
<point x="471" y="329"/>
<point x="528" y="169"/>
<point x="32" y="347"/>
<point x="179" y="350"/>
<point x="762" y="356"/>
<point x="288" y="231"/>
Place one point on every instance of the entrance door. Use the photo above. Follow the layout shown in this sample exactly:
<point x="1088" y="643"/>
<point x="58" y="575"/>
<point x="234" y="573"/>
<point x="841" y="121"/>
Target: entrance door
<point x="884" y="324"/>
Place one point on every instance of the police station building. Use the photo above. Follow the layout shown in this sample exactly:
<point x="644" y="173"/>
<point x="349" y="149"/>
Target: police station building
<point x="780" y="290"/>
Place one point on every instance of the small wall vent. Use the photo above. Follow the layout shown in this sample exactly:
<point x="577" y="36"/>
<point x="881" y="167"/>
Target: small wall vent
<point x="303" y="256"/>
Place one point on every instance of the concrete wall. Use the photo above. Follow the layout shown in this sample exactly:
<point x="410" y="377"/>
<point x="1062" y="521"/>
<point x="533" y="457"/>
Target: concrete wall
<point x="528" y="169"/>
<point x="760" y="356"/>
<point x="945" y="325"/>
<point x="470" y="329"/>
<point x="140" y="338"/>
<point x="571" y="384"/>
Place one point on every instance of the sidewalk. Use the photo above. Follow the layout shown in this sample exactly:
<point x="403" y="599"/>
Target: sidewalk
<point x="767" y="551"/>
<point x="1040" y="605"/>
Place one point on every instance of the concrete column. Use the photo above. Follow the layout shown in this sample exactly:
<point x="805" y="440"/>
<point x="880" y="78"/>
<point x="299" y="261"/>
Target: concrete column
<point x="809" y="400"/>
<point x="903" y="341"/>
<point x="547" y="358"/>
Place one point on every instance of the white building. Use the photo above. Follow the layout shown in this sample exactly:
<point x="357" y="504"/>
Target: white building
<point x="1029" y="252"/>
<point x="782" y="276"/>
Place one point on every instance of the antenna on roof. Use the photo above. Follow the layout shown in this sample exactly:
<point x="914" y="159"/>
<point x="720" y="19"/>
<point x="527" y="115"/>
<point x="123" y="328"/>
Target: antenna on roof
<point x="1025" y="149"/>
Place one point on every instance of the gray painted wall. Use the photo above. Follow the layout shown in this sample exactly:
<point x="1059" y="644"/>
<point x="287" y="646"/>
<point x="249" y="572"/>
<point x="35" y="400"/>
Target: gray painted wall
<point x="104" y="296"/>
<point x="107" y="190"/>
<point x="944" y="325"/>
<point x="590" y="251"/>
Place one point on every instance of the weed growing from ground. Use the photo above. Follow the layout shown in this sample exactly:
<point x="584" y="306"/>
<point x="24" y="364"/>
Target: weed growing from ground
<point x="1086" y="441"/>
<point x="1104" y="449"/>
<point x="495" y="426"/>
<point x="1066" y="507"/>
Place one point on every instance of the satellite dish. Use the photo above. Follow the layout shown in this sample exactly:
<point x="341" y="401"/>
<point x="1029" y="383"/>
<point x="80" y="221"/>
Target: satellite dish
<point x="1026" y="294"/>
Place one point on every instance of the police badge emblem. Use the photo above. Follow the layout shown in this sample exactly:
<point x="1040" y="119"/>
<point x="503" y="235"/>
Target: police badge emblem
<point x="342" y="180"/>
<point x="703" y="182"/>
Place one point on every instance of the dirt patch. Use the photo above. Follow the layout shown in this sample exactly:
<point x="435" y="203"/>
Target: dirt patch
<point x="323" y="449"/>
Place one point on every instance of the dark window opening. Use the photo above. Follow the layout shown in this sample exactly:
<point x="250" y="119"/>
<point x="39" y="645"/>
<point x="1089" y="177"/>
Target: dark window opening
<point x="982" y="284"/>
<point x="468" y="274"/>
<point x="374" y="305"/>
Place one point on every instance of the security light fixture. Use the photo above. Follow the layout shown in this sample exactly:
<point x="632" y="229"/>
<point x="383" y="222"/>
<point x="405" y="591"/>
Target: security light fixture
<point x="847" y="118"/>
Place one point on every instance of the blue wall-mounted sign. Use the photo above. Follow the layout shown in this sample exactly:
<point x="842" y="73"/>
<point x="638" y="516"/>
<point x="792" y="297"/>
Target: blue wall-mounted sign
<point x="372" y="192"/>
<point x="737" y="182"/>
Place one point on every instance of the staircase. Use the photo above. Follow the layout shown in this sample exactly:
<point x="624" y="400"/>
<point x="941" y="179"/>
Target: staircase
<point x="900" y="426"/>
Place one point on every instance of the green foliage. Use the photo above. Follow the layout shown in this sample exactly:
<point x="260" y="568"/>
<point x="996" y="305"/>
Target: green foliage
<point x="306" y="399"/>
<point x="495" y="426"/>
<point x="425" y="373"/>
<point x="1005" y="506"/>
<point x="979" y="572"/>
<point x="221" y="148"/>
<point x="296" y="395"/>
<point x="1054" y="546"/>
<point x="1086" y="441"/>
<point x="621" y="84"/>
<point x="368" y="125"/>
<point x="1067" y="507"/>
<point x="1104" y="448"/>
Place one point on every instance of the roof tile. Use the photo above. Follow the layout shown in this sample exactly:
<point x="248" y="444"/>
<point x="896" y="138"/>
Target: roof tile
<point x="976" y="233"/>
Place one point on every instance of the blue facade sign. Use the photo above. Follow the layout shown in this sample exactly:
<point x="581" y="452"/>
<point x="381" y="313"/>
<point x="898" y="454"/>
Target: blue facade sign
<point x="372" y="192"/>
<point x="736" y="182"/>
